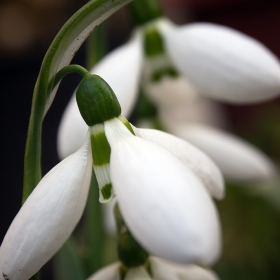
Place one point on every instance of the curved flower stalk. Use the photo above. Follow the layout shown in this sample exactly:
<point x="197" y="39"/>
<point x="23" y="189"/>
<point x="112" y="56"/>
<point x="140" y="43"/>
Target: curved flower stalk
<point x="181" y="65"/>
<point x="48" y="217"/>
<point x="161" y="270"/>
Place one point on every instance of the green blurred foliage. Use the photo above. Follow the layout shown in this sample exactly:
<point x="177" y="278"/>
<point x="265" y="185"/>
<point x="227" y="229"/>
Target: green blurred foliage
<point x="251" y="236"/>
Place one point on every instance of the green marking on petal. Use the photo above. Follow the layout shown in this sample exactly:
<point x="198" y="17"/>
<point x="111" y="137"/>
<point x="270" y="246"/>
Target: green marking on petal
<point x="106" y="191"/>
<point x="126" y="123"/>
<point x="99" y="145"/>
<point x="153" y="42"/>
<point x="103" y="178"/>
<point x="168" y="71"/>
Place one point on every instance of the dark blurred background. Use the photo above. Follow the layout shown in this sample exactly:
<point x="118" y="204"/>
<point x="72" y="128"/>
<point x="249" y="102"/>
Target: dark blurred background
<point x="27" y="27"/>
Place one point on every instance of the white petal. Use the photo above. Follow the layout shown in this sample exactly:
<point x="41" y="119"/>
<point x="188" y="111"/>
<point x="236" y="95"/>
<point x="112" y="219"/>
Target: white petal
<point x="165" y="270"/>
<point x="137" y="273"/>
<point x="237" y="159"/>
<point x="72" y="130"/>
<point x="169" y="91"/>
<point x="121" y="69"/>
<point x="200" y="110"/>
<point x="108" y="214"/>
<point x="193" y="158"/>
<point x="163" y="203"/>
<point x="110" y="272"/>
<point x="48" y="217"/>
<point x="224" y="63"/>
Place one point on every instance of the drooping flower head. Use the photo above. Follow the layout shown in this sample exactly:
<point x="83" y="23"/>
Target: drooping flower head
<point x="157" y="192"/>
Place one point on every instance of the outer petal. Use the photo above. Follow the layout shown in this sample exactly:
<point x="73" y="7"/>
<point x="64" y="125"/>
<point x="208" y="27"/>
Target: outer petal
<point x="121" y="69"/>
<point x="72" y="130"/>
<point x="137" y="273"/>
<point x="163" y="203"/>
<point x="193" y="158"/>
<point x="224" y="63"/>
<point x="108" y="214"/>
<point x="237" y="159"/>
<point x="110" y="272"/>
<point x="48" y="217"/>
<point x="163" y="270"/>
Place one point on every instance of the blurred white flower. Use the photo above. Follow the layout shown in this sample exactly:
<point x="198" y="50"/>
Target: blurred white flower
<point x="164" y="270"/>
<point x="223" y="63"/>
<point x="161" y="270"/>
<point x="48" y="217"/>
<point x="198" y="60"/>
<point x="237" y="159"/>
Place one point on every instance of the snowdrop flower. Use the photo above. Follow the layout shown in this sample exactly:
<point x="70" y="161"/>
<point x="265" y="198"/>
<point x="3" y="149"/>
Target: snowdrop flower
<point x="237" y="159"/>
<point x="161" y="270"/>
<point x="47" y="218"/>
<point x="162" y="190"/>
<point x="218" y="61"/>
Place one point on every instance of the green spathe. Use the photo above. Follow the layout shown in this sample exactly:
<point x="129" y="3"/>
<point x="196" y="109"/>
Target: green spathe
<point x="96" y="100"/>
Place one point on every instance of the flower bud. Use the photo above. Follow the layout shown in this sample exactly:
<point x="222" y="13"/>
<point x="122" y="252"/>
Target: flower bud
<point x="96" y="100"/>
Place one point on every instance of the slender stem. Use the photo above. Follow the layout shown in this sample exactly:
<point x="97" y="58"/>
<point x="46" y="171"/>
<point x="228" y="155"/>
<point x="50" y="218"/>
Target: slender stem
<point x="66" y="264"/>
<point x="67" y="70"/>
<point x="143" y="11"/>
<point x="96" y="46"/>
<point x="93" y="226"/>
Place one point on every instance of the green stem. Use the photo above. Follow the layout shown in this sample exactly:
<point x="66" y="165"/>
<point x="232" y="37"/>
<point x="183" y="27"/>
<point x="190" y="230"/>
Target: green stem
<point x="73" y="68"/>
<point x="60" y="53"/>
<point x="66" y="264"/>
<point x="93" y="227"/>
<point x="143" y="11"/>
<point x="96" y="46"/>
